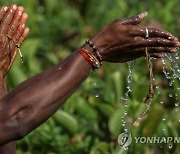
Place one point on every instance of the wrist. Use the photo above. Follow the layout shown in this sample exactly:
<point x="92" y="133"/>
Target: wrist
<point x="91" y="54"/>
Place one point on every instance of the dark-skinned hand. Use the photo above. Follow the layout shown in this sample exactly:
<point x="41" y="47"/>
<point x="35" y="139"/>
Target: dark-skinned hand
<point x="12" y="34"/>
<point x="124" y="40"/>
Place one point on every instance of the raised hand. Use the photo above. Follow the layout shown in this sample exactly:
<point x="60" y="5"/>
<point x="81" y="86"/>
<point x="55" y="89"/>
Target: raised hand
<point x="124" y="40"/>
<point x="12" y="34"/>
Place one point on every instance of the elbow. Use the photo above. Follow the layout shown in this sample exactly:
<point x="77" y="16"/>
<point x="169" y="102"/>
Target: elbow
<point x="18" y="125"/>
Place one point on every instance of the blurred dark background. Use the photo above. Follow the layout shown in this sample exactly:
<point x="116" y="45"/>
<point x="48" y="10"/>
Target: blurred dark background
<point x="91" y="119"/>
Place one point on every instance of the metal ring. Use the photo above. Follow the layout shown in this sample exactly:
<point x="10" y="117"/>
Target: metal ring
<point x="147" y="33"/>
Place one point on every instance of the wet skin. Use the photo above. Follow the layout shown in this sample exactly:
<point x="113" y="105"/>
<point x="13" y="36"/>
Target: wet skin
<point x="36" y="99"/>
<point x="12" y="32"/>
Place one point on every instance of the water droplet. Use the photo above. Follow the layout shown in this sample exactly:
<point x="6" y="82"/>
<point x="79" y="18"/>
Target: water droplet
<point x="163" y="129"/>
<point x="163" y="119"/>
<point x="171" y="83"/>
<point x="176" y="104"/>
<point x="126" y="130"/>
<point x="170" y="95"/>
<point x="161" y="102"/>
<point x="170" y="146"/>
<point x="125" y="113"/>
<point x="126" y="105"/>
<point x="124" y="99"/>
<point x="97" y="95"/>
<point x="176" y="58"/>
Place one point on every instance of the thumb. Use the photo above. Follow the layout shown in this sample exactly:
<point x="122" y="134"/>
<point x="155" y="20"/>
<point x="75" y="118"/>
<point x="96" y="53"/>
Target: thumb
<point x="135" y="19"/>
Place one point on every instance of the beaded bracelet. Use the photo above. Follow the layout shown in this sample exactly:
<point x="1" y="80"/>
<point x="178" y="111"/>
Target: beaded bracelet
<point x="95" y="50"/>
<point x="92" y="60"/>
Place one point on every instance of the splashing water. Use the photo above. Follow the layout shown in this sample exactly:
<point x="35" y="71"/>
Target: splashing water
<point x="172" y="77"/>
<point x="175" y="74"/>
<point x="125" y="98"/>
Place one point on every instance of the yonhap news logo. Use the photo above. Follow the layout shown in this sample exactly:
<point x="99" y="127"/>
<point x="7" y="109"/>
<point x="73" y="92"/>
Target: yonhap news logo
<point x="125" y="139"/>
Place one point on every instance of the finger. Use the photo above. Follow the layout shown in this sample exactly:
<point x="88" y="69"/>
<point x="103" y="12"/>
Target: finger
<point x="161" y="50"/>
<point x="135" y="19"/>
<point x="3" y="12"/>
<point x="157" y="55"/>
<point x="5" y="23"/>
<point x="155" y="42"/>
<point x="14" y="24"/>
<point x="20" y="8"/>
<point x="155" y="50"/>
<point x="24" y="18"/>
<point x="153" y="32"/>
<point x="24" y="35"/>
<point x="16" y="37"/>
<point x="18" y="33"/>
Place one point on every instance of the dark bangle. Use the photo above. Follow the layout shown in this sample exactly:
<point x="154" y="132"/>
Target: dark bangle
<point x="95" y="50"/>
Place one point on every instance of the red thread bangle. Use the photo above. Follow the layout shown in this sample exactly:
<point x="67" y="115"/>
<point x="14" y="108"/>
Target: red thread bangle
<point x="86" y="56"/>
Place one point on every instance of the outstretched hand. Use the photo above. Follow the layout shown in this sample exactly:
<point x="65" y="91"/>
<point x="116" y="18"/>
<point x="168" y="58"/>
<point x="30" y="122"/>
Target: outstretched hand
<point x="124" y="40"/>
<point x="12" y="34"/>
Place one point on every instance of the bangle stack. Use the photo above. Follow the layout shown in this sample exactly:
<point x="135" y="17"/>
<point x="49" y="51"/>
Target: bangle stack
<point x="95" y="50"/>
<point x="95" y="60"/>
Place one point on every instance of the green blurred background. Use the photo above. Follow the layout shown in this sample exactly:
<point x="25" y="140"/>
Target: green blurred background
<point x="91" y="119"/>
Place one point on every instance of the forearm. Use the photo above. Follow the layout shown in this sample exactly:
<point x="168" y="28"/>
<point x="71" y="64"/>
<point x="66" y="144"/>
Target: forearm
<point x="32" y="106"/>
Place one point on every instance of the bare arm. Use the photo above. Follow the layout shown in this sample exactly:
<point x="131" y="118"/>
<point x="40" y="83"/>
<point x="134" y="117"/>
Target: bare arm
<point x="21" y="114"/>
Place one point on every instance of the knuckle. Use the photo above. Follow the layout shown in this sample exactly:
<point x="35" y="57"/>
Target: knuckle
<point x="136" y="40"/>
<point x="133" y="31"/>
<point x="135" y="18"/>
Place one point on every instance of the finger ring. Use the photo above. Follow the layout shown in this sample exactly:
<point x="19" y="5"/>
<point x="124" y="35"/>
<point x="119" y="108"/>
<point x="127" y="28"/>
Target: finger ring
<point x="147" y="33"/>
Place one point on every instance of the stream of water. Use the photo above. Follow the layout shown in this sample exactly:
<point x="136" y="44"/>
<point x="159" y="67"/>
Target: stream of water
<point x="126" y="96"/>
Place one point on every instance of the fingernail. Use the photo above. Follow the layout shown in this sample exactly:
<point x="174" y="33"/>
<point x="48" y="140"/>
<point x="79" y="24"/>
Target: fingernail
<point x="174" y="50"/>
<point x="23" y="25"/>
<point x="176" y="39"/>
<point x="5" y="8"/>
<point x="144" y="14"/>
<point x="14" y="7"/>
<point x="177" y="44"/>
<point x="19" y="13"/>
